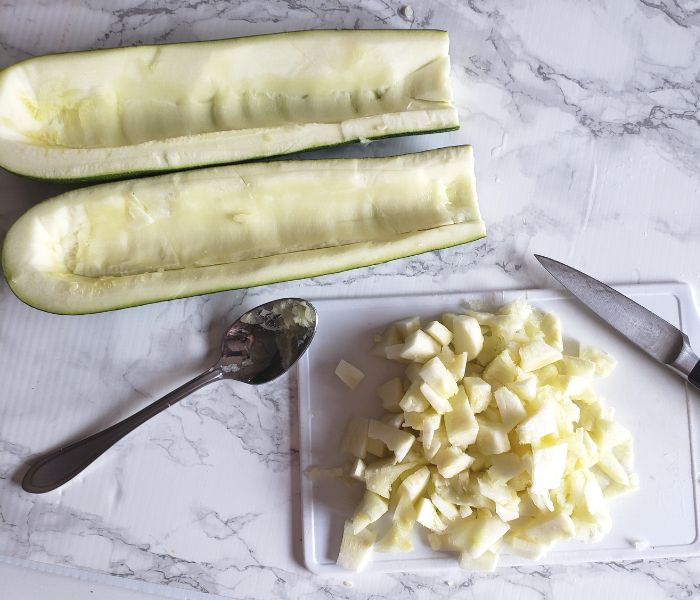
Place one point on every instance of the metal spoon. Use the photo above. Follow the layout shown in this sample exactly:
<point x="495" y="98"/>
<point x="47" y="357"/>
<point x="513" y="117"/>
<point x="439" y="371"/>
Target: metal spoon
<point x="259" y="347"/>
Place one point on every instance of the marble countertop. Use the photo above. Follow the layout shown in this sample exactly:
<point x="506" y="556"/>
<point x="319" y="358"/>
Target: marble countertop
<point x="584" y="119"/>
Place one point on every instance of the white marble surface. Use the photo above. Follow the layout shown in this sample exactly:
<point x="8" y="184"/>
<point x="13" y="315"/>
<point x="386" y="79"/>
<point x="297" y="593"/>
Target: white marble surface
<point x="584" y="118"/>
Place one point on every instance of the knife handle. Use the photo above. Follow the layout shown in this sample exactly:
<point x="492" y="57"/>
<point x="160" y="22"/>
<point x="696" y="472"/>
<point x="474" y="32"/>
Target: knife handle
<point x="694" y="375"/>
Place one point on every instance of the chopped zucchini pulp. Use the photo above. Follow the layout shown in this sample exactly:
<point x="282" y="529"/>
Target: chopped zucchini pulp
<point x="138" y="241"/>
<point x="143" y="109"/>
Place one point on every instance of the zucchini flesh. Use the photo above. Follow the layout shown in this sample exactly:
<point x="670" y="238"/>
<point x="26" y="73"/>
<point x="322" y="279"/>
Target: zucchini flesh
<point x="143" y="240"/>
<point x="110" y="113"/>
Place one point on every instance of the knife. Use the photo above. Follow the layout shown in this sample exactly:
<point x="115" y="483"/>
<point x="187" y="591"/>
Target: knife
<point x="657" y="337"/>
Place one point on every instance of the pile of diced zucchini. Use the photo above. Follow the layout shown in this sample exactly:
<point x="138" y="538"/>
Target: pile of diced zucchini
<point x="492" y="436"/>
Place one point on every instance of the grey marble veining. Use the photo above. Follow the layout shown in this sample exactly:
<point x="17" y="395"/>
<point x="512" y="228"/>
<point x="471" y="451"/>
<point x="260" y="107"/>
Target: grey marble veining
<point x="584" y="118"/>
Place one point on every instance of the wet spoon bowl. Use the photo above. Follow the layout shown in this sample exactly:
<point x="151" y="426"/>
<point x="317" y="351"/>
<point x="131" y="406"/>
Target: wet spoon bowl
<point x="257" y="348"/>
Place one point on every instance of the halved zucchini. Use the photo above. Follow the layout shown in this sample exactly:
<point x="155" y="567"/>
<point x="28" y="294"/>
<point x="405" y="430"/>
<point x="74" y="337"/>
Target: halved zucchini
<point x="143" y="240"/>
<point x="121" y="112"/>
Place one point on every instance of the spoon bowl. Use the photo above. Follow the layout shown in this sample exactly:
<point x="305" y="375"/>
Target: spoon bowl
<point x="267" y="340"/>
<point x="259" y="347"/>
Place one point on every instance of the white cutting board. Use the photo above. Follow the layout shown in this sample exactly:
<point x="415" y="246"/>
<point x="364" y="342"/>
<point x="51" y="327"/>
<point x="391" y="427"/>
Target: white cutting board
<point x="649" y="399"/>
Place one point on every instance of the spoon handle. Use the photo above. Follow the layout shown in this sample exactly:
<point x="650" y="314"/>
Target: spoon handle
<point x="60" y="466"/>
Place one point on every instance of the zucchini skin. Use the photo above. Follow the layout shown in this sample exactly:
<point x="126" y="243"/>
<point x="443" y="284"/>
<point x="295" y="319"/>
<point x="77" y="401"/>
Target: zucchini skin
<point x="234" y="287"/>
<point x="45" y="289"/>
<point x="91" y="164"/>
<point x="107" y="177"/>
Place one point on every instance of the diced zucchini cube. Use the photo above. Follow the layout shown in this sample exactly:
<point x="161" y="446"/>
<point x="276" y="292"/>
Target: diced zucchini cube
<point x="419" y="347"/>
<point x="501" y="370"/>
<point x="349" y="374"/>
<point x="396" y="440"/>
<point x="510" y="407"/>
<point x="573" y="365"/>
<point x="492" y="438"/>
<point x="478" y="392"/>
<point x="608" y="464"/>
<point x="356" y="470"/>
<point x="381" y="475"/>
<point x="414" y="420"/>
<point x="355" y="549"/>
<point x="446" y="355"/>
<point x="505" y="466"/>
<point x="519" y="308"/>
<point x="407" y="326"/>
<point x="480" y="316"/>
<point x="413" y="399"/>
<point x="458" y="366"/>
<point x="396" y="539"/>
<point x="541" y="423"/>
<point x="527" y="548"/>
<point x="537" y="354"/>
<point x="461" y="424"/>
<point x="394" y="353"/>
<point x="414" y="485"/>
<point x="448" y="510"/>
<point x="371" y="507"/>
<point x="551" y="327"/>
<point x="428" y="517"/>
<point x="467" y="336"/>
<point x="354" y="440"/>
<point x="604" y="363"/>
<point x="393" y="420"/>
<point x="550" y="528"/>
<point x="525" y="387"/>
<point x="431" y="423"/>
<point x="439" y="332"/>
<point x="439" y="402"/>
<point x="450" y="461"/>
<point x="376" y="448"/>
<point x="548" y="465"/>
<point x="505" y="327"/>
<point x="391" y="394"/>
<point x="438" y="377"/>
<point x="486" y="532"/>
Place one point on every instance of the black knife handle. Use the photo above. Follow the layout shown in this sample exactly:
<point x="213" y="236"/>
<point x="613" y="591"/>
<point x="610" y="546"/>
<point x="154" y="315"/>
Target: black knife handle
<point x="694" y="375"/>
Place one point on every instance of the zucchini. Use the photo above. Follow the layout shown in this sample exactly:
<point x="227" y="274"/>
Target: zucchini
<point x="144" y="240"/>
<point x="113" y="113"/>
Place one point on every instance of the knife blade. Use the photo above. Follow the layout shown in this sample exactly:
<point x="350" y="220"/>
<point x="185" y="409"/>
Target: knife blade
<point x="657" y="337"/>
